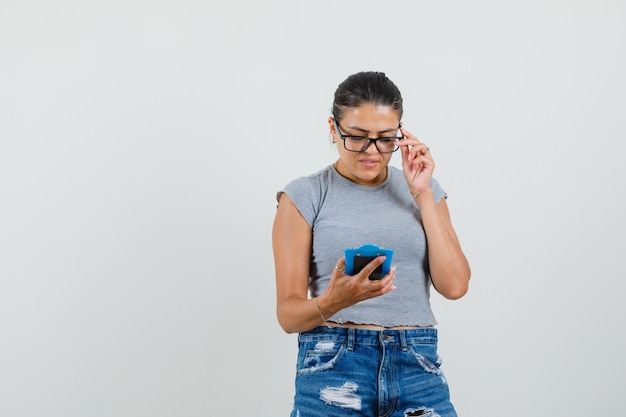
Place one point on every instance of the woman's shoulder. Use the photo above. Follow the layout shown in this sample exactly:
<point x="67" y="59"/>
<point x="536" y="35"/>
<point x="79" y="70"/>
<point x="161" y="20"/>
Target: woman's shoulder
<point x="317" y="177"/>
<point x="310" y="184"/>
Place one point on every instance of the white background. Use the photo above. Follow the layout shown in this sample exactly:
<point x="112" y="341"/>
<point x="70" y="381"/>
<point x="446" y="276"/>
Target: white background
<point x="142" y="143"/>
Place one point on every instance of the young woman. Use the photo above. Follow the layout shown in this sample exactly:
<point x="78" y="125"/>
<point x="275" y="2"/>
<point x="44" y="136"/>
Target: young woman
<point x="367" y="347"/>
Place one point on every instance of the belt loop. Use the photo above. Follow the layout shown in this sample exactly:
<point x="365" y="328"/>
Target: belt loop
<point x="403" y="342"/>
<point x="351" y="338"/>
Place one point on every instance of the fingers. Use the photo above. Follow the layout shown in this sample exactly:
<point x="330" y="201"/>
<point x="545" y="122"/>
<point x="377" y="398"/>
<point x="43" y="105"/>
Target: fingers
<point x="384" y="285"/>
<point x="348" y="290"/>
<point x="378" y="285"/>
<point x="411" y="147"/>
<point x="340" y="266"/>
<point x="370" y="268"/>
<point x="409" y="138"/>
<point x="368" y="272"/>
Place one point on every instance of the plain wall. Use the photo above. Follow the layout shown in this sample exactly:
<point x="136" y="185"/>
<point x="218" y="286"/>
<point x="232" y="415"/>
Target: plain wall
<point x="142" y="144"/>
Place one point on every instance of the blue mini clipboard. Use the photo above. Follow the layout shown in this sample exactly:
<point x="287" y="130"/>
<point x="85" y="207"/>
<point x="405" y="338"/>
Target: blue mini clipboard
<point x="357" y="258"/>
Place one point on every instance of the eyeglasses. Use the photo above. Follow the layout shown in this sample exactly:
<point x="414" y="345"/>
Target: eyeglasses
<point x="385" y="144"/>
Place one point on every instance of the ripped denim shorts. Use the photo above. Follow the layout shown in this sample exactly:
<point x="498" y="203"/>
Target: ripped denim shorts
<point x="355" y="372"/>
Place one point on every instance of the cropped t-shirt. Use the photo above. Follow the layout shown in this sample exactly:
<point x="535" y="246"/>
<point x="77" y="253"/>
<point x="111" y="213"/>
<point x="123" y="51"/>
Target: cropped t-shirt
<point x="344" y="215"/>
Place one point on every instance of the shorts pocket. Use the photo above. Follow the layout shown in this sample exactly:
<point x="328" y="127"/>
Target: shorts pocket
<point x="319" y="356"/>
<point x="427" y="359"/>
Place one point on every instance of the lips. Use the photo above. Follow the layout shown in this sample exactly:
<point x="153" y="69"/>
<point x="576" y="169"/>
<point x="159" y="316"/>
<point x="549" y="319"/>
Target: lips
<point x="369" y="163"/>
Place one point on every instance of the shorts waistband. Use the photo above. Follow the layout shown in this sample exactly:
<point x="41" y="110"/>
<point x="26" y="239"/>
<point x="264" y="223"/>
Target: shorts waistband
<point x="353" y="336"/>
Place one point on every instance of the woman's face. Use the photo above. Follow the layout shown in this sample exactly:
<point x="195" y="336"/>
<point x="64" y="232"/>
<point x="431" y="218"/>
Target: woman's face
<point x="370" y="166"/>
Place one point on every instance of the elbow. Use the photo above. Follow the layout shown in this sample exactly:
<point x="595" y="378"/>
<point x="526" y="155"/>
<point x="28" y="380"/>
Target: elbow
<point x="455" y="293"/>
<point x="457" y="288"/>
<point x="288" y="329"/>
<point x="293" y="326"/>
<point x="284" y="325"/>
<point x="287" y="325"/>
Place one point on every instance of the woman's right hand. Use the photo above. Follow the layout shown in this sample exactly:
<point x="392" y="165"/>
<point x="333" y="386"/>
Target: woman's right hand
<point x="346" y="290"/>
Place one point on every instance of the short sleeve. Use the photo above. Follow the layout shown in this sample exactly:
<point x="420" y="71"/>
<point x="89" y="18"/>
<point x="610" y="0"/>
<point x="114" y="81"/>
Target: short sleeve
<point x="438" y="192"/>
<point x="304" y="197"/>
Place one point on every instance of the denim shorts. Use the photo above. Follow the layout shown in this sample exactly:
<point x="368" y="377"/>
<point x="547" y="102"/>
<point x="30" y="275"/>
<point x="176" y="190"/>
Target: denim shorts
<point x="370" y="373"/>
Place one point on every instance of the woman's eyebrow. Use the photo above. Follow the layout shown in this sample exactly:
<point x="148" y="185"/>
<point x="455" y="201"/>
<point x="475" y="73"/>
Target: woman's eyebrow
<point x="360" y="129"/>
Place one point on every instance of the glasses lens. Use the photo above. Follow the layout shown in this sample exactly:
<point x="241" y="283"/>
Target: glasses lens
<point x="356" y="144"/>
<point x="386" y="145"/>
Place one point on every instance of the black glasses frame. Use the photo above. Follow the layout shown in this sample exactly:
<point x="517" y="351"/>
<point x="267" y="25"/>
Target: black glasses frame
<point x="370" y="140"/>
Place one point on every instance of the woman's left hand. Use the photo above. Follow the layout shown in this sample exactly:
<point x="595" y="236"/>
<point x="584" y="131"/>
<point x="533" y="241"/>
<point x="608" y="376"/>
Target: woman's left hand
<point x="417" y="163"/>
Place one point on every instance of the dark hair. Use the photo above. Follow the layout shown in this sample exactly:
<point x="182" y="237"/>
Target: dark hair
<point x="367" y="87"/>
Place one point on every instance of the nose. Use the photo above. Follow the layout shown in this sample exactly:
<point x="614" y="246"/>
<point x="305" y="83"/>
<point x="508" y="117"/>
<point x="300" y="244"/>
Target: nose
<point x="371" y="147"/>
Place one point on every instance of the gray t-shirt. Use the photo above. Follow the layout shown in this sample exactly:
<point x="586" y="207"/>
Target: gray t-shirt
<point x="343" y="215"/>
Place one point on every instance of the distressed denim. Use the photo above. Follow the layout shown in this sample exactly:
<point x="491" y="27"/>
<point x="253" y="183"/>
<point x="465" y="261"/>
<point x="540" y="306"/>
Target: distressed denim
<point x="370" y="373"/>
